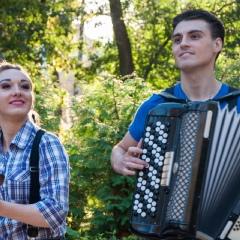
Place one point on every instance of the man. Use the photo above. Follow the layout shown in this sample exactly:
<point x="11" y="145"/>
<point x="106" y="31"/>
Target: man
<point x="197" y="40"/>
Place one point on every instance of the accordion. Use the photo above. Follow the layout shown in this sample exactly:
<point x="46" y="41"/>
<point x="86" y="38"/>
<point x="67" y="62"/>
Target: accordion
<point x="191" y="189"/>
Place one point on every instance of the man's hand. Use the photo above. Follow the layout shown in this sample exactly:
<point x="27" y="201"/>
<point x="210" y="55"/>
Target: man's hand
<point x="126" y="162"/>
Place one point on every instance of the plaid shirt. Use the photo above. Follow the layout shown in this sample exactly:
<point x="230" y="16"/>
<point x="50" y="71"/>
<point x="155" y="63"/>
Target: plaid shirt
<point x="54" y="179"/>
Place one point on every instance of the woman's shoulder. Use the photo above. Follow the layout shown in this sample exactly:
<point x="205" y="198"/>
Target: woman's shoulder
<point x="49" y="136"/>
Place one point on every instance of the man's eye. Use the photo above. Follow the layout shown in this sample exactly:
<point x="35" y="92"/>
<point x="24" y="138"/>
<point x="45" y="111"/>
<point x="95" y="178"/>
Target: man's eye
<point x="177" y="40"/>
<point x="195" y="36"/>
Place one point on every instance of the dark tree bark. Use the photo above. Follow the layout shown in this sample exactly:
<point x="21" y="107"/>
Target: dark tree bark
<point x="122" y="40"/>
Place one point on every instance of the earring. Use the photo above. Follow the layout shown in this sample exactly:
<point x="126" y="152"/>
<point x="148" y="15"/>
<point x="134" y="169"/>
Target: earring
<point x="34" y="118"/>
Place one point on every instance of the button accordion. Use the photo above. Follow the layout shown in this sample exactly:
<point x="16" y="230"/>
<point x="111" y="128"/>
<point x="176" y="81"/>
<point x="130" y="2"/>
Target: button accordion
<point x="191" y="189"/>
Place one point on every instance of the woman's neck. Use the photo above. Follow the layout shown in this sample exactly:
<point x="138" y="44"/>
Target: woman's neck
<point x="9" y="131"/>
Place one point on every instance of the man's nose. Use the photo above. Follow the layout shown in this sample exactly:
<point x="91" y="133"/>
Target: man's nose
<point x="185" y="42"/>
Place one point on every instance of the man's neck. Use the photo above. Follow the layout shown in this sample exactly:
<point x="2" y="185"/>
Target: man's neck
<point x="200" y="87"/>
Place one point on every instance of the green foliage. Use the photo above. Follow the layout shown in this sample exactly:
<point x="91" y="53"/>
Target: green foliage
<point x="110" y="236"/>
<point x="47" y="93"/>
<point x="100" y="119"/>
<point x="37" y="32"/>
<point x="228" y="71"/>
<point x="149" y="25"/>
<point x="39" y="36"/>
<point x="34" y="35"/>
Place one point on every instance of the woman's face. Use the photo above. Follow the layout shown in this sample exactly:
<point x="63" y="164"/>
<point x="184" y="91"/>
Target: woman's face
<point x="16" y="95"/>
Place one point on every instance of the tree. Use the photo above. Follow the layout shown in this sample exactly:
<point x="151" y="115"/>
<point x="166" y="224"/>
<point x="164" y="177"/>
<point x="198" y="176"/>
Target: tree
<point x="122" y="39"/>
<point x="149" y="29"/>
<point x="34" y="35"/>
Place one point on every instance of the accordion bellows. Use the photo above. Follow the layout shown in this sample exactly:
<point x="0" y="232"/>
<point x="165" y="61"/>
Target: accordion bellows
<point x="191" y="189"/>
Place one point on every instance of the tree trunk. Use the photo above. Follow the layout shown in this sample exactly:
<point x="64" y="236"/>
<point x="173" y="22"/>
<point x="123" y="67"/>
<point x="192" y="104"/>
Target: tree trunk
<point x="122" y="40"/>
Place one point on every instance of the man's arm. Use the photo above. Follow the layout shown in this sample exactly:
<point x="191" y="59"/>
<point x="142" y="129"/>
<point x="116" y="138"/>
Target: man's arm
<point x="124" y="158"/>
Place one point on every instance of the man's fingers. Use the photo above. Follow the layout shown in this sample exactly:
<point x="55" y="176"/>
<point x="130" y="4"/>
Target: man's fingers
<point x="140" y="143"/>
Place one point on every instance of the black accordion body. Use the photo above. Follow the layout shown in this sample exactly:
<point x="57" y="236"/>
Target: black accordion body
<point x="191" y="189"/>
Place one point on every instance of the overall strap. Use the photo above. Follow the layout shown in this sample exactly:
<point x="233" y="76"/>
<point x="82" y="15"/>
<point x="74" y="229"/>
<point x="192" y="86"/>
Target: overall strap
<point x="34" y="169"/>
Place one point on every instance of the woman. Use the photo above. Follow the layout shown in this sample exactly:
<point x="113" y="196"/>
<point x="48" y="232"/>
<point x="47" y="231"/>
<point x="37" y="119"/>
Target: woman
<point x="17" y="133"/>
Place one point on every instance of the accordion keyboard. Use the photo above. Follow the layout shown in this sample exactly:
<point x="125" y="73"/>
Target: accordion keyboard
<point x="160" y="160"/>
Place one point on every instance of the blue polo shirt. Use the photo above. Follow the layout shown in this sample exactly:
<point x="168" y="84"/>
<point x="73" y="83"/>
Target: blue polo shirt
<point x="136" y="128"/>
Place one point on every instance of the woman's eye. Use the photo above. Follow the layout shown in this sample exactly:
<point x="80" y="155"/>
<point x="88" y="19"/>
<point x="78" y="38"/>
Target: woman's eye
<point x="5" y="86"/>
<point x="26" y="86"/>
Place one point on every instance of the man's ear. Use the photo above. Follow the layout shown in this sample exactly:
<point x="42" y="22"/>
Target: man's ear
<point x="218" y="44"/>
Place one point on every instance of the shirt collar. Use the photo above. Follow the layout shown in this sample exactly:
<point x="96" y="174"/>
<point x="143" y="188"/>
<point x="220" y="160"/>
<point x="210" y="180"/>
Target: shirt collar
<point x="26" y="132"/>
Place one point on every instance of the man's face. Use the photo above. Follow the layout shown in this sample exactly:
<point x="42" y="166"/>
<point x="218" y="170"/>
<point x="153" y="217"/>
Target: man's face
<point x="193" y="47"/>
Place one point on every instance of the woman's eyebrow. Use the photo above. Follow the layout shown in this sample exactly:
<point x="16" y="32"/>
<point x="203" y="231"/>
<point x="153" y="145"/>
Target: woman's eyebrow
<point x="7" y="79"/>
<point x="25" y="80"/>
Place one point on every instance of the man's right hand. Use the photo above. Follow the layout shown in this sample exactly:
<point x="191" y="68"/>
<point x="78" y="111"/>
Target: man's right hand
<point x="127" y="161"/>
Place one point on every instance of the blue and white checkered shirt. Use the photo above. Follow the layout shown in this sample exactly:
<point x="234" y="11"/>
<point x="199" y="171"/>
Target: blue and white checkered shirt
<point x="54" y="180"/>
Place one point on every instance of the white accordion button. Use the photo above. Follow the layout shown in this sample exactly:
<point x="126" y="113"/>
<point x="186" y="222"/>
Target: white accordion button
<point x="148" y="129"/>
<point x="146" y="140"/>
<point x="164" y="140"/>
<point x="157" y="180"/>
<point x="153" y="209"/>
<point x="139" y="210"/>
<point x="136" y="202"/>
<point x="147" y="191"/>
<point x="146" y="197"/>
<point x="137" y="196"/>
<point x="140" y="179"/>
<point x="150" y="200"/>
<point x="143" y="214"/>
<point x="140" y="205"/>
<point x="151" y="194"/>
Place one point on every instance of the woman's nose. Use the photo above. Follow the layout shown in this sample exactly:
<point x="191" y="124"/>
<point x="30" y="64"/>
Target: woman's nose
<point x="16" y="91"/>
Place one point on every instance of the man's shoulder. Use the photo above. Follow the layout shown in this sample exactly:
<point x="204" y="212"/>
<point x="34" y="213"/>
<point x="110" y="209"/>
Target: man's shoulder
<point x="153" y="100"/>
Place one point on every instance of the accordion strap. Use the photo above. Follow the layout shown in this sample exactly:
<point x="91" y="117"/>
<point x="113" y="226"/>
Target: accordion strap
<point x="230" y="98"/>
